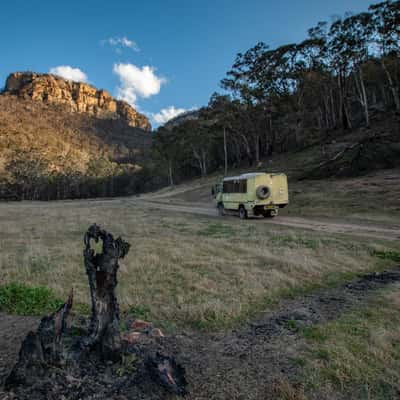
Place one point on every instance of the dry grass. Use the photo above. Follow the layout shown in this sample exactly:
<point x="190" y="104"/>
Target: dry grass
<point x="374" y="197"/>
<point x="188" y="270"/>
<point x="358" y="355"/>
<point x="371" y="198"/>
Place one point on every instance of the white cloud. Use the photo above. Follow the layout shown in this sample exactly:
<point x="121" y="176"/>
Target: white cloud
<point x="120" y="42"/>
<point x="70" y="73"/>
<point x="137" y="82"/>
<point x="166" y="114"/>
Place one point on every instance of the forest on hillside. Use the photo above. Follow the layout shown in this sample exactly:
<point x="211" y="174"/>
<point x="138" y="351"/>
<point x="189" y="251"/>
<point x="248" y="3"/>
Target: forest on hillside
<point x="343" y="76"/>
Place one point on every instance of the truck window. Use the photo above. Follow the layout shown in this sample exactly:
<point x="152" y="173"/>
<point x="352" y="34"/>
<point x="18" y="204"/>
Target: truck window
<point x="237" y="186"/>
<point x="228" y="187"/>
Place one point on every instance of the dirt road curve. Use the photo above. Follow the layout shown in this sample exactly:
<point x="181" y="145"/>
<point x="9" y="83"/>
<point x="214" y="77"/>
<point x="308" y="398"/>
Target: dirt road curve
<point x="369" y="230"/>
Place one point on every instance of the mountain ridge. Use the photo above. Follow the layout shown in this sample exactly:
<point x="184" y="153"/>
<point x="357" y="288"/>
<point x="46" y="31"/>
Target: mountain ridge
<point x="74" y="96"/>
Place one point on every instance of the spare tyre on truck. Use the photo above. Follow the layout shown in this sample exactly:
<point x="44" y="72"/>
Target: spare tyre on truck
<point x="252" y="194"/>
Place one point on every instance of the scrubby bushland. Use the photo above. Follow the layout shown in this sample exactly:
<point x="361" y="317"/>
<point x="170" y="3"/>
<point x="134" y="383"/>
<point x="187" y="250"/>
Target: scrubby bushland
<point x="33" y="180"/>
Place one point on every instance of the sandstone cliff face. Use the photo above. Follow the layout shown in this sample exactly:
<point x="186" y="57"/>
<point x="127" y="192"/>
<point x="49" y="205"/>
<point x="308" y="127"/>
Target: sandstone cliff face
<point x="181" y="118"/>
<point x="74" y="96"/>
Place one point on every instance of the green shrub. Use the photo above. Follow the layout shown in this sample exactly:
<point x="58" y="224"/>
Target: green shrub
<point x="139" y="311"/>
<point x="387" y="255"/>
<point x="17" y="298"/>
<point x="217" y="230"/>
<point x="314" y="333"/>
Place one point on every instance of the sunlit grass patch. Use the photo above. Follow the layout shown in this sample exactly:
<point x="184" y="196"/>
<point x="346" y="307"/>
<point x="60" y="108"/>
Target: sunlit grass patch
<point x="391" y="255"/>
<point x="217" y="230"/>
<point x="359" y="353"/>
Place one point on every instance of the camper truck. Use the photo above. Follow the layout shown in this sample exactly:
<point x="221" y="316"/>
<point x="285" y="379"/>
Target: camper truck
<point x="252" y="194"/>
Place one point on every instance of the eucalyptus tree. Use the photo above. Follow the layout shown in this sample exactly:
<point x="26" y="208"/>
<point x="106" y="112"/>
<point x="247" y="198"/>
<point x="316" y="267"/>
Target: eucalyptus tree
<point x="166" y="148"/>
<point x="221" y="112"/>
<point x="351" y="40"/>
<point x="341" y="61"/>
<point x="260" y="79"/>
<point x="386" y="27"/>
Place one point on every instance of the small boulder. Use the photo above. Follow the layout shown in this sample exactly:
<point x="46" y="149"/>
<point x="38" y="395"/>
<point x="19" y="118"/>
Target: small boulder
<point x="140" y="325"/>
<point x="132" y="337"/>
<point x="156" y="332"/>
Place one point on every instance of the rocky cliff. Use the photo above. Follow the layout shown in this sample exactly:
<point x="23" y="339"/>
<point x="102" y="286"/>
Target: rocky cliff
<point x="74" y="96"/>
<point x="181" y="118"/>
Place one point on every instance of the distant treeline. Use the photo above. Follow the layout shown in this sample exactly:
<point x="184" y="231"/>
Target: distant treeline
<point x="342" y="76"/>
<point x="31" y="179"/>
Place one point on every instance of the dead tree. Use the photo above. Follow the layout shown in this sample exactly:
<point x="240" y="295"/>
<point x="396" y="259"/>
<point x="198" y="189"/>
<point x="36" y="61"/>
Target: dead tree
<point x="102" y="270"/>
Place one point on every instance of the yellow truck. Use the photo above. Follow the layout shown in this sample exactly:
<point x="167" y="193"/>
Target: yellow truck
<point x="252" y="194"/>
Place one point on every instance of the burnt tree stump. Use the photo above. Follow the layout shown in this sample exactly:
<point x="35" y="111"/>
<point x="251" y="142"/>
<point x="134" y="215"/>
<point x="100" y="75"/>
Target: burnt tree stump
<point x="55" y="362"/>
<point x="41" y="348"/>
<point x="102" y="270"/>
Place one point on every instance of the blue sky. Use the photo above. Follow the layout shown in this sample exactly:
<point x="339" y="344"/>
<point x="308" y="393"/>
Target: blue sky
<point x="156" y="54"/>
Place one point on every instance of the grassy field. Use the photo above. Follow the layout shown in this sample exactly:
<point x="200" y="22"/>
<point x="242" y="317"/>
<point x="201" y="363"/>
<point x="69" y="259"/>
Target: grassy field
<point x="370" y="198"/>
<point x="374" y="197"/>
<point x="357" y="355"/>
<point x="182" y="270"/>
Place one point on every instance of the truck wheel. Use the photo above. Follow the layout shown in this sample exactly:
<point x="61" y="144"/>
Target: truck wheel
<point x="221" y="210"/>
<point x="242" y="213"/>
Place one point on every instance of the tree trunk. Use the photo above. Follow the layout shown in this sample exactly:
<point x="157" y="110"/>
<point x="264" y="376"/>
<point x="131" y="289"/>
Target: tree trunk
<point x="341" y="102"/>
<point x="343" y="110"/>
<point x="102" y="270"/>
<point x="347" y="122"/>
<point x="199" y="160"/>
<point x="257" y="148"/>
<point x="365" y="97"/>
<point x="204" y="163"/>
<point x="171" y="178"/>
<point x="362" y="94"/>
<point x="247" y="147"/>
<point x="333" y="111"/>
<point x="225" y="154"/>
<point x="273" y="137"/>
<point x="326" y="112"/>
<point x="392" y="86"/>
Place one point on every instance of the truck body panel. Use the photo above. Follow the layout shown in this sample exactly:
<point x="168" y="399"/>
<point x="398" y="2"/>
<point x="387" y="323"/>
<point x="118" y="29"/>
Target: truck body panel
<point x="258" y="193"/>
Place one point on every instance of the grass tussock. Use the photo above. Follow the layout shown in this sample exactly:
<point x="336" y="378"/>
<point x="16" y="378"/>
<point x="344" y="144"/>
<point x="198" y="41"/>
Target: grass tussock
<point x="387" y="255"/>
<point x="284" y="390"/>
<point x="16" y="298"/>
<point x="357" y="355"/>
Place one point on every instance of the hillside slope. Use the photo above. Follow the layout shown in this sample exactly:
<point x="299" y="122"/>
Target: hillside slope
<point x="48" y="151"/>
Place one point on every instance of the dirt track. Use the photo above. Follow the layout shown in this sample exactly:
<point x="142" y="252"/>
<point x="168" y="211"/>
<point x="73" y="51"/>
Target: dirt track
<point x="371" y="231"/>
